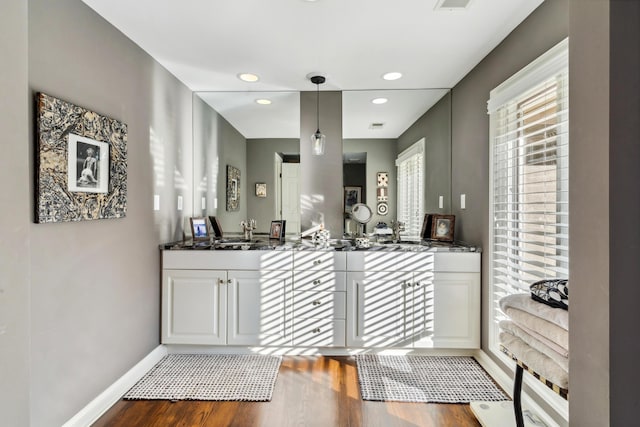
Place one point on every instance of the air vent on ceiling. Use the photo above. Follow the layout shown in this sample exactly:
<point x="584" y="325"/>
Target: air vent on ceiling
<point x="376" y="126"/>
<point x="452" y="4"/>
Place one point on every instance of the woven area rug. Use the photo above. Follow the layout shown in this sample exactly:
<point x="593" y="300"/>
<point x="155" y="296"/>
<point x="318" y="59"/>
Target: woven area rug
<point x="209" y="377"/>
<point x="436" y="379"/>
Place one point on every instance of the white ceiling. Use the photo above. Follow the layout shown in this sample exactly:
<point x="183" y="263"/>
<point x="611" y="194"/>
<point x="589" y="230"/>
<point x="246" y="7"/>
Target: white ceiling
<point x="207" y="43"/>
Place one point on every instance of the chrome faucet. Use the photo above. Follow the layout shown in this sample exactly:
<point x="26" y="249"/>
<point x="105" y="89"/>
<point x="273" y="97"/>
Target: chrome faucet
<point x="248" y="227"/>
<point x="397" y="227"/>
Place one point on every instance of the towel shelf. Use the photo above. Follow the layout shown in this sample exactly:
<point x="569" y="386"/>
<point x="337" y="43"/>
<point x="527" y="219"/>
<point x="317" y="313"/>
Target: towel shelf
<point x="517" y="385"/>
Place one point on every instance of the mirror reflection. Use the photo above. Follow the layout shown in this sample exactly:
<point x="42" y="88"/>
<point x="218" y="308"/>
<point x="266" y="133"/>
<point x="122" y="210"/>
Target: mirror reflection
<point x="258" y="133"/>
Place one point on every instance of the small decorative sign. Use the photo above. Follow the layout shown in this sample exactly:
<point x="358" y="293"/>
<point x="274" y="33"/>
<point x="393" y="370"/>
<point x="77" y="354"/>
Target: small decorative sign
<point x="261" y="189"/>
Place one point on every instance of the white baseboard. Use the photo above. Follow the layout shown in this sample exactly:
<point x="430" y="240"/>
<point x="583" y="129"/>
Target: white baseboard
<point x="506" y="382"/>
<point x="105" y="400"/>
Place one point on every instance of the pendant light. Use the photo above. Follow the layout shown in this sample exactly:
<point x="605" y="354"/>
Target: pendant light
<point x="318" y="138"/>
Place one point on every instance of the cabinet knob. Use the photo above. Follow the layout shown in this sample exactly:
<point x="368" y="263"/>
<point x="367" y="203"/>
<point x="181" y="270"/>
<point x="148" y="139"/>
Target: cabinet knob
<point x="230" y="281"/>
<point x="220" y="281"/>
<point x="317" y="302"/>
<point x="317" y="282"/>
<point x="317" y="262"/>
<point x="316" y="330"/>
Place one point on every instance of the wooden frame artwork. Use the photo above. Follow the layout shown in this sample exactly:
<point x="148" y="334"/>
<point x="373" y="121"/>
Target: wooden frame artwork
<point x="81" y="163"/>
<point x="443" y="227"/>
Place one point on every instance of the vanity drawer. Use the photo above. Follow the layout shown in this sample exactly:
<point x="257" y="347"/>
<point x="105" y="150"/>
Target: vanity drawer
<point x="320" y="280"/>
<point x="319" y="333"/>
<point x="464" y="262"/>
<point x="319" y="305"/>
<point x="319" y="260"/>
<point x="227" y="260"/>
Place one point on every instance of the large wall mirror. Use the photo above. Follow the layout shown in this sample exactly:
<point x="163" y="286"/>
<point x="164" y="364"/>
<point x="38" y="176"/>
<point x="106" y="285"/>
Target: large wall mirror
<point x="258" y="133"/>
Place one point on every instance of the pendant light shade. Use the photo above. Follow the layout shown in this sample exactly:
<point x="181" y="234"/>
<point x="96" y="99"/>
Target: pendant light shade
<point x="318" y="138"/>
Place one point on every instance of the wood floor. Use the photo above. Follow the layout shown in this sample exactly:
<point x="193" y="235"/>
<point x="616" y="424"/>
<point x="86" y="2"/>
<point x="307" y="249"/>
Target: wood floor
<point x="310" y="391"/>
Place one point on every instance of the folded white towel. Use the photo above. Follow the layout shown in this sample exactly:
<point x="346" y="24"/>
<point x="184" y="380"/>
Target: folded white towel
<point x="560" y="357"/>
<point x="541" y="364"/>
<point x="540" y="328"/>
<point x="524" y="302"/>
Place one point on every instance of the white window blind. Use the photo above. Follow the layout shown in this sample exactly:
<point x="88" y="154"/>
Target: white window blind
<point x="410" y="173"/>
<point x="530" y="177"/>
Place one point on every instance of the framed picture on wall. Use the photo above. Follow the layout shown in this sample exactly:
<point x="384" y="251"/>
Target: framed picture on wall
<point x="261" y="189"/>
<point x="442" y="227"/>
<point x="352" y="195"/>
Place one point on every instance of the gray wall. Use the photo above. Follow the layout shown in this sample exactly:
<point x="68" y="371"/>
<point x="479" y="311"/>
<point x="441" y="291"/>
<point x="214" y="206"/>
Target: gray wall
<point x="543" y="29"/>
<point x="321" y="186"/>
<point x="95" y="285"/>
<point x="261" y="168"/>
<point x="15" y="266"/>
<point x="435" y="127"/>
<point x="624" y="176"/>
<point x="216" y="144"/>
<point x="381" y="157"/>
<point x="589" y="198"/>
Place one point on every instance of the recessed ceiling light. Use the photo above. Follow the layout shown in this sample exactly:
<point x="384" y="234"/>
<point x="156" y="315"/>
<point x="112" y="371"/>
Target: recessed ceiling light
<point x="392" y="76"/>
<point x="263" y="101"/>
<point x="379" y="100"/>
<point x="248" y="77"/>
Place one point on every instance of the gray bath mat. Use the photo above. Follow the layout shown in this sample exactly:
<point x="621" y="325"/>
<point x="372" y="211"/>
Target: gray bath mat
<point x="438" y="379"/>
<point x="209" y="377"/>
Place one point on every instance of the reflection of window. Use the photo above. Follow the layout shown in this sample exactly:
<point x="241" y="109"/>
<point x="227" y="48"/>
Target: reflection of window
<point x="530" y="177"/>
<point x="410" y="210"/>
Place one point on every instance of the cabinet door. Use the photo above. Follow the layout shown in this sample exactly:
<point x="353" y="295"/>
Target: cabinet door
<point x="259" y="308"/>
<point x="419" y="309"/>
<point x="457" y="310"/>
<point x="194" y="309"/>
<point x="375" y="308"/>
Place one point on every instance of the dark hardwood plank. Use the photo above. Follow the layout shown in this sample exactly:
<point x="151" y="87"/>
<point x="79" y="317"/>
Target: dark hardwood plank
<point x="310" y="391"/>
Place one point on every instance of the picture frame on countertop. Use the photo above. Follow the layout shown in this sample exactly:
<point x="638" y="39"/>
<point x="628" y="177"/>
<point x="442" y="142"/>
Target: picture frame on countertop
<point x="425" y="232"/>
<point x="443" y="227"/>
<point x="199" y="229"/>
<point x="215" y="227"/>
<point x="277" y="230"/>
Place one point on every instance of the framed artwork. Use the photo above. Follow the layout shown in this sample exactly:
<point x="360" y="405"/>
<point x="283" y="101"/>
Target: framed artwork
<point x="261" y="189"/>
<point x="352" y="195"/>
<point x="81" y="163"/>
<point x="87" y="165"/>
<point x="277" y="230"/>
<point x="199" y="229"/>
<point x="233" y="189"/>
<point x="442" y="227"/>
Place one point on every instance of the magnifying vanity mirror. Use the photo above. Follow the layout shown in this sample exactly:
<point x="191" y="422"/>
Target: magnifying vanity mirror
<point x="258" y="133"/>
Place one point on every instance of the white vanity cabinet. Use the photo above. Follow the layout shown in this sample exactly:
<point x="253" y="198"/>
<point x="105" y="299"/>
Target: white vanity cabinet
<point x="226" y="297"/>
<point x="307" y="298"/>
<point x="194" y="306"/>
<point x="413" y="299"/>
<point x="319" y="299"/>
